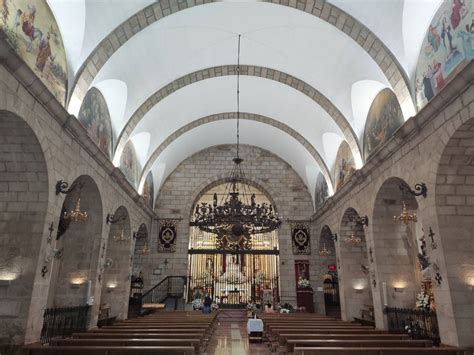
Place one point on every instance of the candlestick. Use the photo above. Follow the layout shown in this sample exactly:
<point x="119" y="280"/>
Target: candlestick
<point x="384" y="291"/>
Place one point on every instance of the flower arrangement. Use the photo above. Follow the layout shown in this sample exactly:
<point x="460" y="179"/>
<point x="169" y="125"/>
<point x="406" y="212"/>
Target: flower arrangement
<point x="286" y="308"/>
<point x="304" y="283"/>
<point x="423" y="301"/>
<point x="197" y="304"/>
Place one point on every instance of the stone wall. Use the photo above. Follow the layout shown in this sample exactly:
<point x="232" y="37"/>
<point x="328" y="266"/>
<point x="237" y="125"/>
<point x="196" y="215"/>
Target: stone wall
<point x="68" y="153"/>
<point x="419" y="152"/>
<point x="196" y="174"/>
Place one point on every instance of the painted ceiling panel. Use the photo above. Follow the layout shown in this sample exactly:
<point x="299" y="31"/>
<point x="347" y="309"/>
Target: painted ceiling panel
<point x="400" y="24"/>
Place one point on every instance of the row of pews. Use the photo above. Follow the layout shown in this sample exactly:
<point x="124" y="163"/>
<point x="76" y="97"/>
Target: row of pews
<point x="179" y="332"/>
<point x="309" y="334"/>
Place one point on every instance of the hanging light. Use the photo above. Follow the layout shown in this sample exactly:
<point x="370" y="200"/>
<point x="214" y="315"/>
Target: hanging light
<point x="353" y="239"/>
<point x="121" y="237"/>
<point x="237" y="216"/>
<point x="324" y="251"/>
<point x="145" y="250"/>
<point x="76" y="214"/>
<point x="405" y="217"/>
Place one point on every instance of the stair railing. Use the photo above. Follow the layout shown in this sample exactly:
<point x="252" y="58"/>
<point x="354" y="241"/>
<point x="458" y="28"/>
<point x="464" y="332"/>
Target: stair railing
<point x="170" y="286"/>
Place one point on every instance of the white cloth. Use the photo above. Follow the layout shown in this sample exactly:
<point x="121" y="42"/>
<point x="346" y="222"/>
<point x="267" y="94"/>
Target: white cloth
<point x="254" y="325"/>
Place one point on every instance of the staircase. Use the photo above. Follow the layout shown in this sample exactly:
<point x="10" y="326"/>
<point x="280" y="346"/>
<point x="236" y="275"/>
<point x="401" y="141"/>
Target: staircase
<point x="169" y="291"/>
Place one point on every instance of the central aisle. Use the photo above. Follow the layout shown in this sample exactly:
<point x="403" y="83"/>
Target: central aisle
<point x="230" y="336"/>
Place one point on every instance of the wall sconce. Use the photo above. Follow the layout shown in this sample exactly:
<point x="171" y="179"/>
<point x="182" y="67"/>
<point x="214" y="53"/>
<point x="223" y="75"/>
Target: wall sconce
<point x="9" y="274"/>
<point x="362" y="221"/>
<point x="420" y="189"/>
<point x="111" y="219"/>
<point x="76" y="282"/>
<point x="399" y="286"/>
<point x="111" y="286"/>
<point x="470" y="283"/>
<point x="359" y="289"/>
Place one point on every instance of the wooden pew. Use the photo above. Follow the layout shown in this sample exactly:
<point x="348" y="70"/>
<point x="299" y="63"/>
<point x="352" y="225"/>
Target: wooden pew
<point x="378" y="351"/>
<point x="185" y="335"/>
<point x="196" y="343"/>
<point x="285" y="337"/>
<point x="108" y="350"/>
<point x="369" y="343"/>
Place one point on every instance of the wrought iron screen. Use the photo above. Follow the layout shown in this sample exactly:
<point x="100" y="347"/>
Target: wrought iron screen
<point x="418" y="324"/>
<point x="63" y="322"/>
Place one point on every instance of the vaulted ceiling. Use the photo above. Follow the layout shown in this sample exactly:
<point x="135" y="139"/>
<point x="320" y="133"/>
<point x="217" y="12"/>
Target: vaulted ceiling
<point x="310" y="71"/>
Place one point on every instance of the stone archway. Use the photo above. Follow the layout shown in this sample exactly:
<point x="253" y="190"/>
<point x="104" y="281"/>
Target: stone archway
<point x="454" y="194"/>
<point x="115" y="277"/>
<point x="76" y="247"/>
<point x="395" y="248"/>
<point x="355" y="279"/>
<point x="24" y="194"/>
<point x="328" y="276"/>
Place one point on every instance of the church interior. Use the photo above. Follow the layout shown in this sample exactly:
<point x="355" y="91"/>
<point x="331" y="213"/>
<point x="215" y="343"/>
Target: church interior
<point x="236" y="177"/>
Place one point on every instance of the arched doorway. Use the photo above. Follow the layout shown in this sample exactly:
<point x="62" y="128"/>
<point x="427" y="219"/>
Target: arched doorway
<point x="233" y="273"/>
<point x="116" y="280"/>
<point x="354" y="266"/>
<point x="76" y="250"/>
<point x="24" y="195"/>
<point x="329" y="275"/>
<point x="397" y="245"/>
<point x="454" y="196"/>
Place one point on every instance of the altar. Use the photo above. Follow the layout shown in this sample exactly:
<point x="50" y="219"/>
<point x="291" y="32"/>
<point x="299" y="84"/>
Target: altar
<point x="234" y="297"/>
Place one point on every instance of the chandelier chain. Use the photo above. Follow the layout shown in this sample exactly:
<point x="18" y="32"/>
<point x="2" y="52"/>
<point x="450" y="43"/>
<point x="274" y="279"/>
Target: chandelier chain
<point x="238" y="96"/>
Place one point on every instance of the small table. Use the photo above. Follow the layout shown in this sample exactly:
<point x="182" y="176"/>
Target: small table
<point x="255" y="330"/>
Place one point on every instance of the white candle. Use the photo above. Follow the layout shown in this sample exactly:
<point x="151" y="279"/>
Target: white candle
<point x="88" y="291"/>
<point x="384" y="291"/>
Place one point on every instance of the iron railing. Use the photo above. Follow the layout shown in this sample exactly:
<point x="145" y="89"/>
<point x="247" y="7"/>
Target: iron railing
<point x="170" y="286"/>
<point x="63" y="322"/>
<point x="417" y="323"/>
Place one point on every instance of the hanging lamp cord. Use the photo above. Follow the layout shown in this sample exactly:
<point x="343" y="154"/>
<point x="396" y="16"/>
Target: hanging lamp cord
<point x="238" y="97"/>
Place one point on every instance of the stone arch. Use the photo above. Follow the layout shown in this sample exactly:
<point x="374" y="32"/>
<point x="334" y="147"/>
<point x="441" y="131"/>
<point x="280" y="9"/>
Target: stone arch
<point x="142" y="239"/>
<point x="24" y="203"/>
<point x="248" y="70"/>
<point x="229" y="116"/>
<point x="76" y="246"/>
<point x="323" y="10"/>
<point x="355" y="280"/>
<point x="116" y="266"/>
<point x="328" y="279"/>
<point x="454" y="194"/>
<point x="395" y="246"/>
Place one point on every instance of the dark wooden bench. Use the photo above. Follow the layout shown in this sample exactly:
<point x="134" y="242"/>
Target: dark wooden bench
<point x="108" y="350"/>
<point x="371" y="343"/>
<point x="184" y="335"/>
<point x="377" y="351"/>
<point x="195" y="343"/>
<point x="285" y="337"/>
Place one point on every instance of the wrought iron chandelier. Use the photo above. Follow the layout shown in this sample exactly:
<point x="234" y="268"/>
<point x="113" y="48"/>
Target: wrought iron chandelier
<point x="353" y="239"/>
<point x="237" y="216"/>
<point x="324" y="251"/>
<point x="76" y="214"/>
<point x="405" y="217"/>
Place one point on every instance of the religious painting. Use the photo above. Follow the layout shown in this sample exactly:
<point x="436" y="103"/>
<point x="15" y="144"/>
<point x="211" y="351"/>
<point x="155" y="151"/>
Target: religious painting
<point x="344" y="166"/>
<point x="167" y="236"/>
<point x="322" y="192"/>
<point x="94" y="116"/>
<point x="148" y="189"/>
<point x="33" y="33"/>
<point x="384" y="118"/>
<point x="129" y="164"/>
<point x="300" y="238"/>
<point x="448" y="43"/>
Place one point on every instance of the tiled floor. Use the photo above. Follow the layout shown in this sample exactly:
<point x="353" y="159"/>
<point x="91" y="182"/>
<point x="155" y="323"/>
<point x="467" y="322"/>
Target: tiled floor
<point x="230" y="337"/>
